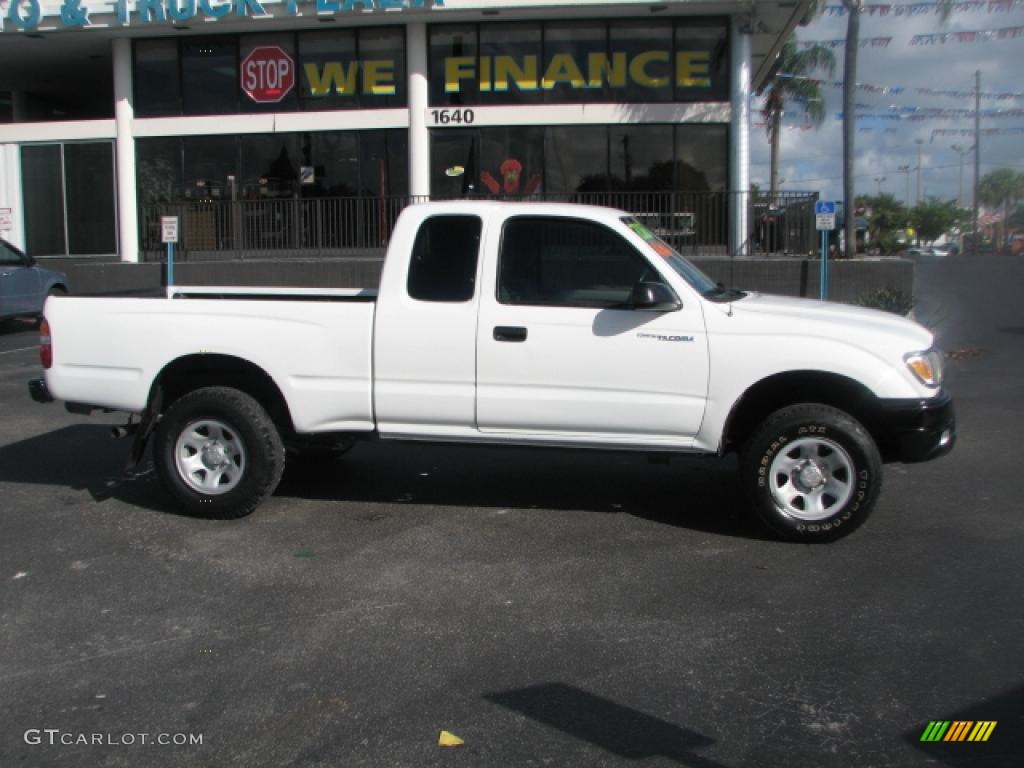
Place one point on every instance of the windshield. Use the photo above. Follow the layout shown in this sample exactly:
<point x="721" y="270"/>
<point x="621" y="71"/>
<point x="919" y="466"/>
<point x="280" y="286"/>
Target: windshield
<point x="679" y="263"/>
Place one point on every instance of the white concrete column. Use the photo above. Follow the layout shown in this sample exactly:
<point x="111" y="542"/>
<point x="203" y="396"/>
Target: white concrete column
<point x="11" y="194"/>
<point x="124" y="113"/>
<point x="739" y="137"/>
<point x="419" y="100"/>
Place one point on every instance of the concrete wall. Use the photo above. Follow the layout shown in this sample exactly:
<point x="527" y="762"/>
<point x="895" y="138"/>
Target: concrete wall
<point x="848" y="280"/>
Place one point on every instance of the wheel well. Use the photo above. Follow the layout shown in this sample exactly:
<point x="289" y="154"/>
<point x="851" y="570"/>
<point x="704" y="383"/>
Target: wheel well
<point x="192" y="372"/>
<point x="782" y="389"/>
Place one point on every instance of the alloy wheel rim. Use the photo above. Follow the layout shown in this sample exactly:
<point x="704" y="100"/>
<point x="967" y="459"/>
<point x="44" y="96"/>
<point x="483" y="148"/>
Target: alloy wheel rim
<point x="210" y="457"/>
<point x="811" y="478"/>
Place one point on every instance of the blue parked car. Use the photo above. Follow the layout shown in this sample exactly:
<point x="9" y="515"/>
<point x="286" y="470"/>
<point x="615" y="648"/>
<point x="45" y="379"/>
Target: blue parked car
<point x="24" y="286"/>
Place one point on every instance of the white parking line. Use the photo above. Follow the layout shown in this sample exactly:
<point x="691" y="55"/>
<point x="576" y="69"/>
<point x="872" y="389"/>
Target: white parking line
<point x="12" y="351"/>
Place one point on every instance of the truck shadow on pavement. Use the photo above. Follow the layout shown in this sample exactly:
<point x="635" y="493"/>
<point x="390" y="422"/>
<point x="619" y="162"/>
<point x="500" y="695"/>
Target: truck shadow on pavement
<point x="83" y="457"/>
<point x="620" y="730"/>
<point x="696" y="493"/>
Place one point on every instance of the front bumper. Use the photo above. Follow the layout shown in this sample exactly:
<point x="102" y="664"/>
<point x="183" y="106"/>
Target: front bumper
<point x="916" y="430"/>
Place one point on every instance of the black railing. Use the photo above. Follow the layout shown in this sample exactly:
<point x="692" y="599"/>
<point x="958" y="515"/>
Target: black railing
<point x="695" y="223"/>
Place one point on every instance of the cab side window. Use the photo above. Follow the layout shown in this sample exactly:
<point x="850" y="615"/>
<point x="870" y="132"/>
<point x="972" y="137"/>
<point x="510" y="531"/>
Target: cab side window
<point x="444" y="259"/>
<point x="551" y="261"/>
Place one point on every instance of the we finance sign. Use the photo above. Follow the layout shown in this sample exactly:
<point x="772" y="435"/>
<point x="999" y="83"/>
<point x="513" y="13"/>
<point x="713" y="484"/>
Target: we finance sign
<point x="27" y="15"/>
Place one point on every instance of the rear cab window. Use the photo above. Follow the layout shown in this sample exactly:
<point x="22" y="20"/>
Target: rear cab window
<point x="444" y="259"/>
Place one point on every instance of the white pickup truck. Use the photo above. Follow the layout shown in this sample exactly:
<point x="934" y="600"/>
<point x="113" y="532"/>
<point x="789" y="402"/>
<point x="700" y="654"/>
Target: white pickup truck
<point x="519" y="324"/>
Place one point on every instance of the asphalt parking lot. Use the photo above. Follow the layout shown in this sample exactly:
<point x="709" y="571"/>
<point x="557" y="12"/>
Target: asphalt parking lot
<point x="549" y="608"/>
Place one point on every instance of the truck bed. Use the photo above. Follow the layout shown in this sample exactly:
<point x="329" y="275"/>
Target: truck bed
<point x="315" y="344"/>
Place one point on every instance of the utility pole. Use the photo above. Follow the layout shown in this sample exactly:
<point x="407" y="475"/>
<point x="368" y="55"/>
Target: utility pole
<point x="905" y="170"/>
<point x="919" y="142"/>
<point x="977" y="154"/>
<point x="961" y="151"/>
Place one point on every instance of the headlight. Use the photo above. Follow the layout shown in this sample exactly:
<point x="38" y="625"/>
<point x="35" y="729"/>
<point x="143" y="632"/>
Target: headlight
<point x="926" y="366"/>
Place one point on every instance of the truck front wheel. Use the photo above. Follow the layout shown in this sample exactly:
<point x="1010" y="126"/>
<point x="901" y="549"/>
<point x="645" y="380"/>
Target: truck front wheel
<point x="218" y="453"/>
<point x="812" y="472"/>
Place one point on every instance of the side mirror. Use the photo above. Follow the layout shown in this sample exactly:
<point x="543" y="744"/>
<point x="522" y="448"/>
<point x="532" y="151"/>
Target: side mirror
<point x="654" y="297"/>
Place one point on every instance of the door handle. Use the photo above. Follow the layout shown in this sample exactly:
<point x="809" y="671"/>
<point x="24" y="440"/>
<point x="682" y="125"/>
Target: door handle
<point x="509" y="333"/>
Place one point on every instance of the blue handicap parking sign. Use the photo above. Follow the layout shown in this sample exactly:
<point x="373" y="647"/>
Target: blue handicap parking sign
<point x="825" y="207"/>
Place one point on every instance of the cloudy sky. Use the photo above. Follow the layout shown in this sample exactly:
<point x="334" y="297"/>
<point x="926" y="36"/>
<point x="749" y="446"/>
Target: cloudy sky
<point x="812" y="160"/>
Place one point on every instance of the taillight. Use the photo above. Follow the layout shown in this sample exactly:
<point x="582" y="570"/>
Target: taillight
<point x="45" y="345"/>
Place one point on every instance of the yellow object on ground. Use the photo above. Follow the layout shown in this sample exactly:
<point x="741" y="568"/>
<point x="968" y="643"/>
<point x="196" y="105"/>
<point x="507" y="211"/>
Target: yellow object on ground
<point x="448" y="739"/>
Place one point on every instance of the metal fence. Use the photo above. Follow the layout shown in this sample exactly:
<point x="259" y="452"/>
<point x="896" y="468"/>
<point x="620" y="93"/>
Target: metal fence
<point x="695" y="223"/>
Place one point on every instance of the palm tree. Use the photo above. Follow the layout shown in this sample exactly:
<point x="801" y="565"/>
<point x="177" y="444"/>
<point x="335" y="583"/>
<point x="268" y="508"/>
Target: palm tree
<point x="853" y="10"/>
<point x="1002" y="188"/>
<point x="795" y="85"/>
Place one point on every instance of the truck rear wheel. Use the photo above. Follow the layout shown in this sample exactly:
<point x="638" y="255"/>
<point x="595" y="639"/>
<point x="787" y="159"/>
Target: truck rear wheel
<point x="813" y="472"/>
<point x="218" y="453"/>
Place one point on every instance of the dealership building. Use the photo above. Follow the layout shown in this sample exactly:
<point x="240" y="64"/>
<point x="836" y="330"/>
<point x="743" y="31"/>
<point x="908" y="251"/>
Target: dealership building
<point x="304" y="126"/>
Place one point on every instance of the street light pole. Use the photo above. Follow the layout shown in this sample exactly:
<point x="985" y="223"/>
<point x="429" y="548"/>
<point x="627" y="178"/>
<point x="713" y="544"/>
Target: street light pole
<point x="878" y="181"/>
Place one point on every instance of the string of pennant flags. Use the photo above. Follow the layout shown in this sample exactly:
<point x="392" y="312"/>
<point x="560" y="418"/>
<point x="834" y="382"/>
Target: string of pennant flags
<point x="976" y="36"/>
<point x="925" y="114"/>
<point x="896" y="90"/>
<point x="966" y="133"/>
<point x="866" y="42"/>
<point x="925" y="9"/>
<point x="931" y="38"/>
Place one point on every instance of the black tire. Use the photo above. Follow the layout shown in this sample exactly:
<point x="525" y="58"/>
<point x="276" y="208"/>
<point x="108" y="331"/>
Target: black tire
<point x="246" y="443"/>
<point x="812" y="471"/>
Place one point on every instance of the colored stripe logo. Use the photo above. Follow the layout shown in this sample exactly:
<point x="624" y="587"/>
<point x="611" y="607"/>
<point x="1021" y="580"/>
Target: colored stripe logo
<point x="958" y="730"/>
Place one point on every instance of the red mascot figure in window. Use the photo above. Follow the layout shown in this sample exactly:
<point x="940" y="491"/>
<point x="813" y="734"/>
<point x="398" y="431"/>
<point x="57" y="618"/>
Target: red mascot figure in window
<point x="511" y="172"/>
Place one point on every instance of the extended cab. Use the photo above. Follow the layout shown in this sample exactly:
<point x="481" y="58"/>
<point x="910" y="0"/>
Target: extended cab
<point x="513" y="323"/>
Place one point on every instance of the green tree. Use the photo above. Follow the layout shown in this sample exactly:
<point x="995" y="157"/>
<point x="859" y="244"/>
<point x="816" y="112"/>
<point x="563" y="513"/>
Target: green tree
<point x="887" y="218"/>
<point x="1002" y="189"/>
<point x="933" y="218"/>
<point x="795" y="65"/>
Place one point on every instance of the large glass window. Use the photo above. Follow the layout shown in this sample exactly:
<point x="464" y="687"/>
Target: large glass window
<point x="382" y="67"/>
<point x="646" y="49"/>
<point x="453" y="64"/>
<point x="43" y="197"/>
<point x="333" y="69"/>
<point x="702" y="153"/>
<point x="157" y="81"/>
<point x="444" y="257"/>
<point x="575" y="159"/>
<point x="580" y="61"/>
<point x="513" y="54"/>
<point x="209" y="71"/>
<point x="550" y="261"/>
<point x="641" y="157"/>
<point x="328" y="69"/>
<point x="68" y="194"/>
<point x="576" y="62"/>
<point x="578" y="160"/>
<point x="89" y="189"/>
<point x="702" y="61"/>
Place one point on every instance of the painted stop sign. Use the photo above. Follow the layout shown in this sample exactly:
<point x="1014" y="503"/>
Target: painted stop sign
<point x="268" y="74"/>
